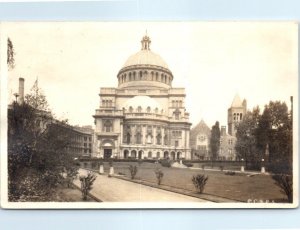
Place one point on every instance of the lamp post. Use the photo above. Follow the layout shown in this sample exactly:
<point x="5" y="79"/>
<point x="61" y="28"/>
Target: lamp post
<point x="263" y="170"/>
<point x="242" y="166"/>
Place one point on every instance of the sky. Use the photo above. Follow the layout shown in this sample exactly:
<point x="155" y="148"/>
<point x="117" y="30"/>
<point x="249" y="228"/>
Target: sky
<point x="213" y="61"/>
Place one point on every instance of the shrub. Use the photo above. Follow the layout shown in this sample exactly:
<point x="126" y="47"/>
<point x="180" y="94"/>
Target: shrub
<point x="285" y="182"/>
<point x="165" y="163"/>
<point x="71" y="174"/>
<point x="159" y="175"/>
<point x="221" y="167"/>
<point x="230" y="173"/>
<point x="133" y="171"/>
<point x="86" y="184"/>
<point x="200" y="181"/>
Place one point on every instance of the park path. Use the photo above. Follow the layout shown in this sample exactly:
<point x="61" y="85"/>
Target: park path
<point x="111" y="189"/>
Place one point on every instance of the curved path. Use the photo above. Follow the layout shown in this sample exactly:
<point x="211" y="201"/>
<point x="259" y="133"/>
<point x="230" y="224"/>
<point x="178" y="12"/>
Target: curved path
<point x="111" y="189"/>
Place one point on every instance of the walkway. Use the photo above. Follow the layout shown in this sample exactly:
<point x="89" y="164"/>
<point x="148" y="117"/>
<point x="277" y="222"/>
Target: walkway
<point x="110" y="189"/>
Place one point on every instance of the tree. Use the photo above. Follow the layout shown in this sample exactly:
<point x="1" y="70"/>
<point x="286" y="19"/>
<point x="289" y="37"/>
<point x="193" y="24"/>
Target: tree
<point x="10" y="54"/>
<point x="215" y="140"/>
<point x="275" y="131"/>
<point x="246" y="145"/>
<point x="37" y="144"/>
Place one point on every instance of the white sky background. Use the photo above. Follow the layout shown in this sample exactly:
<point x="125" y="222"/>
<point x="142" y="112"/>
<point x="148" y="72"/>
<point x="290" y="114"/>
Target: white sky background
<point x="213" y="61"/>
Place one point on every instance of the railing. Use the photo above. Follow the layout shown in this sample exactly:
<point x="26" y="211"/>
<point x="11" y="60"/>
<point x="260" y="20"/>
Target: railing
<point x="147" y="116"/>
<point x="108" y="91"/>
<point x="100" y="112"/>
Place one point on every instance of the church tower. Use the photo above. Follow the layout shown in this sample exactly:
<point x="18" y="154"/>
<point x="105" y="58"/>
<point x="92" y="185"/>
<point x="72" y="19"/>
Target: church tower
<point x="236" y="113"/>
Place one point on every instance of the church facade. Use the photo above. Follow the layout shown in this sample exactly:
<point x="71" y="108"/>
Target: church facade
<point x="144" y="117"/>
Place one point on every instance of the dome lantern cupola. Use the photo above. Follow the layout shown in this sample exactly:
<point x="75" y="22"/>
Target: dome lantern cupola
<point x="146" y="43"/>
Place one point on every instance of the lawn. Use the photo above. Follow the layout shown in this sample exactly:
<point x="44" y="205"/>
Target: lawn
<point x="63" y="194"/>
<point x="239" y="187"/>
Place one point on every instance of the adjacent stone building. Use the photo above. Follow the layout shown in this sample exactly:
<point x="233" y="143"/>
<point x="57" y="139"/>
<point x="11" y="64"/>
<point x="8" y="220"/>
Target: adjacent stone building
<point x="144" y="117"/>
<point x="199" y="141"/>
<point x="200" y="134"/>
<point x="227" y="145"/>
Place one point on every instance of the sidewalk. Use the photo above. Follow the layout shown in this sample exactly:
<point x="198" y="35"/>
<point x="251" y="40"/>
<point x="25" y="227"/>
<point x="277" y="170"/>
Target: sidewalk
<point x="111" y="189"/>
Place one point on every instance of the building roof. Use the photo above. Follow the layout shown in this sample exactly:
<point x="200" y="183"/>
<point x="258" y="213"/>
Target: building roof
<point x="201" y="127"/>
<point x="237" y="102"/>
<point x="145" y="56"/>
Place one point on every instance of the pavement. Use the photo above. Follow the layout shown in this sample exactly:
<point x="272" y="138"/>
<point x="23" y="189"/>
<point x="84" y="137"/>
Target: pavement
<point x="111" y="189"/>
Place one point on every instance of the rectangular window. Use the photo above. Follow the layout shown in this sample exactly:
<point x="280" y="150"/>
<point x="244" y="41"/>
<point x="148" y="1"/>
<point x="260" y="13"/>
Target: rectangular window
<point x="176" y="143"/>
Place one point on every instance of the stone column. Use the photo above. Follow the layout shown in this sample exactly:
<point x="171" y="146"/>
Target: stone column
<point x="163" y="136"/>
<point x="187" y="145"/>
<point x="154" y="135"/>
<point x="121" y="133"/>
<point x="143" y="134"/>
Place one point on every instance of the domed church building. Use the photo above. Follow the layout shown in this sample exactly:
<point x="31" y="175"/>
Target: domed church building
<point x="144" y="117"/>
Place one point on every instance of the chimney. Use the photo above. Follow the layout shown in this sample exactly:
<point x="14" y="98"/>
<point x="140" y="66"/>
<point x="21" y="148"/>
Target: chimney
<point x="223" y="130"/>
<point x="21" y="90"/>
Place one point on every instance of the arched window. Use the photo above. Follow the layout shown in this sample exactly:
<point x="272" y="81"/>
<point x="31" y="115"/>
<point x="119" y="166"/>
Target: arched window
<point x="129" y="76"/>
<point x="138" y="138"/>
<point x="134" y="76"/>
<point x="152" y="76"/>
<point x="130" y="109"/>
<point x="149" y="139"/>
<point x="241" y="116"/>
<point x="128" y="137"/>
<point x="156" y="110"/>
<point x="150" y="154"/>
<point x="166" y="140"/>
<point x="141" y="75"/>
<point x="158" y="139"/>
<point x="139" y="109"/>
<point x="107" y="126"/>
<point x="234" y="116"/>
<point x="148" y="109"/>
<point x="180" y="103"/>
<point x="156" y="76"/>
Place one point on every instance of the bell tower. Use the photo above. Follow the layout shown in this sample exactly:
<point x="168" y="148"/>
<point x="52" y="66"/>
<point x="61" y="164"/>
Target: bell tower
<point x="236" y="113"/>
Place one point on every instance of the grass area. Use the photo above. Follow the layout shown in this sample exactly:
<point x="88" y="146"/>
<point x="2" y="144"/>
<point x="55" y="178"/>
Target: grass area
<point x="239" y="187"/>
<point x="64" y="194"/>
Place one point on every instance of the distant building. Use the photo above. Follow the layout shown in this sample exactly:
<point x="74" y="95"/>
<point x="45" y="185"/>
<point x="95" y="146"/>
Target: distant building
<point x="80" y="138"/>
<point x="199" y="141"/>
<point x="236" y="113"/>
<point x="227" y="145"/>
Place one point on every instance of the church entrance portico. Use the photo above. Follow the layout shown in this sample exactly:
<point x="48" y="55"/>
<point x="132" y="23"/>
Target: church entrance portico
<point x="107" y="153"/>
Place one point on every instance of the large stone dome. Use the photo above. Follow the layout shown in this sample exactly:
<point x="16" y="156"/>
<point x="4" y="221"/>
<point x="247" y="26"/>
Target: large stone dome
<point x="145" y="57"/>
<point x="145" y="68"/>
